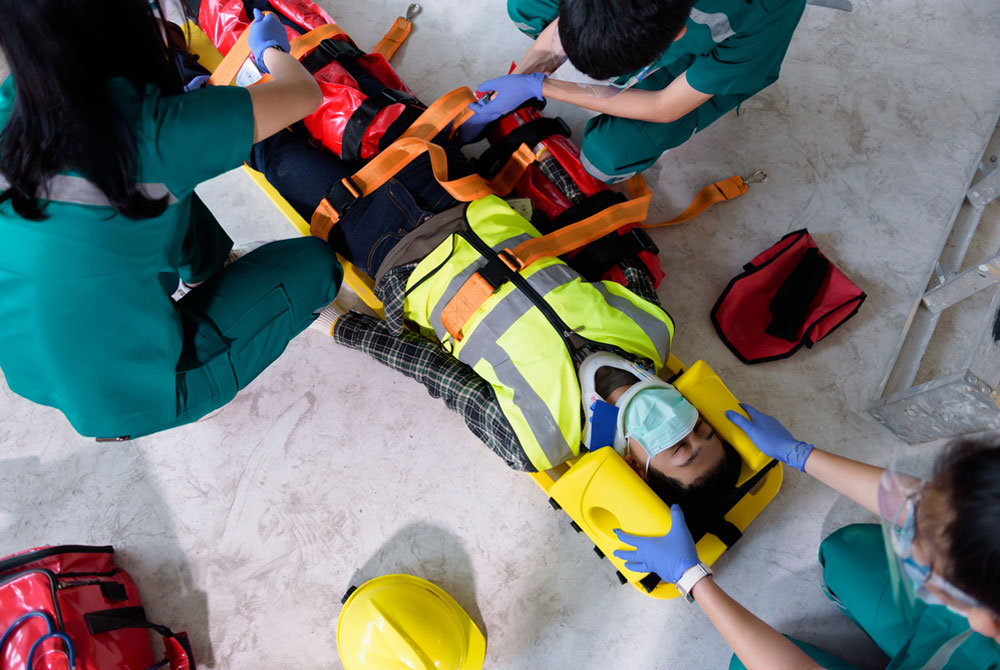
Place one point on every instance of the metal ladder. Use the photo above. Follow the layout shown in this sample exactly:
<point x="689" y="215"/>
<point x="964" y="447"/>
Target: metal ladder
<point x="967" y="400"/>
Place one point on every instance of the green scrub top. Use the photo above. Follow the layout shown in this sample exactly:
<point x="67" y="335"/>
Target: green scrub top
<point x="731" y="49"/>
<point x="88" y="325"/>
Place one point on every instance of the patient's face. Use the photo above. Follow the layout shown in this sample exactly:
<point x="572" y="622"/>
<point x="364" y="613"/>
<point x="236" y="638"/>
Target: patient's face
<point x="696" y="455"/>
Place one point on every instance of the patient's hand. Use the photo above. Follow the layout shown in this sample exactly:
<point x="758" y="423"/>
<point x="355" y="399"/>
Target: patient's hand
<point x="668" y="556"/>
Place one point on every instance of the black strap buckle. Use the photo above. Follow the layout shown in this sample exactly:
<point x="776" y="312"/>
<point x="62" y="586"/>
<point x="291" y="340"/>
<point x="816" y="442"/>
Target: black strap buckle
<point x="497" y="272"/>
<point x="343" y="195"/>
<point x="339" y="48"/>
<point x="644" y="240"/>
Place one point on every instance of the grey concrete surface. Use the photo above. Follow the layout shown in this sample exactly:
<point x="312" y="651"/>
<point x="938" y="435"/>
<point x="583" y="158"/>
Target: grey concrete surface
<point x="248" y="526"/>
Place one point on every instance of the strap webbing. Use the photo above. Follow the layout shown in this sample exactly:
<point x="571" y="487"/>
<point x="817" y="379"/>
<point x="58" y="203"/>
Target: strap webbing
<point x="531" y="133"/>
<point x="633" y="210"/>
<point x="233" y="61"/>
<point x="390" y="43"/>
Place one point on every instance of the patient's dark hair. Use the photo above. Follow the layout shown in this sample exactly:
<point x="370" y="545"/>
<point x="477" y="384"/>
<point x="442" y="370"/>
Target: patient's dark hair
<point x="610" y="38"/>
<point x="62" y="54"/>
<point x="963" y="501"/>
<point x="705" y="497"/>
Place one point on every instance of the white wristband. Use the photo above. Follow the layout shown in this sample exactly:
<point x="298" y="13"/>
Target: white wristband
<point x="692" y="576"/>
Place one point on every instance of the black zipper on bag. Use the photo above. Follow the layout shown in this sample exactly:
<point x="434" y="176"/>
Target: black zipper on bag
<point x="15" y="562"/>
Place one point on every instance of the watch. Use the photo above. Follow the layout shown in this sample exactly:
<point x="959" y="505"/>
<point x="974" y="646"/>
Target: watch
<point x="692" y="576"/>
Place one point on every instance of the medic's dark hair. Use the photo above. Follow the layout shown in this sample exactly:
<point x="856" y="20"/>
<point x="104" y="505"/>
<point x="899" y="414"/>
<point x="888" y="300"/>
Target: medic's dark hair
<point x="703" y="500"/>
<point x="62" y="54"/>
<point x="968" y="474"/>
<point x="610" y="38"/>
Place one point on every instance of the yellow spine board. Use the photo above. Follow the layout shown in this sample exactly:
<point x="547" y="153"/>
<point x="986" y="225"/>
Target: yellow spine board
<point x="359" y="282"/>
<point x="600" y="492"/>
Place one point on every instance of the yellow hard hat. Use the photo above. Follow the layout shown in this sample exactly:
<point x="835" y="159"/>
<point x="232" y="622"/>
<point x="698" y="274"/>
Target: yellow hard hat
<point x="401" y="622"/>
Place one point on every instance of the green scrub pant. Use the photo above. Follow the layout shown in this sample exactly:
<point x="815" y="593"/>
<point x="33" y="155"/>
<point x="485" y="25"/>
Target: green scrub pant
<point x="242" y="317"/>
<point x="856" y="578"/>
<point x="614" y="149"/>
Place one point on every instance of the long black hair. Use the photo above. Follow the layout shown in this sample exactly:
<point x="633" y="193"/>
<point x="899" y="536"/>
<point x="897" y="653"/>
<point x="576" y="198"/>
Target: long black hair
<point x="62" y="54"/>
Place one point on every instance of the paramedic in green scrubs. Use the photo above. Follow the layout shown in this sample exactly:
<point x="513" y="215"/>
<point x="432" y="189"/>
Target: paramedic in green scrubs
<point x="922" y="585"/>
<point x="662" y="69"/>
<point x="100" y="151"/>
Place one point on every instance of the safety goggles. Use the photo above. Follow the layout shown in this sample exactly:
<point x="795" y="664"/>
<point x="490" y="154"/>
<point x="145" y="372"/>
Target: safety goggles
<point x="899" y="498"/>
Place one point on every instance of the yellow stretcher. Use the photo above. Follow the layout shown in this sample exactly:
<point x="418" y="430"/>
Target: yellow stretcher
<point x="598" y="489"/>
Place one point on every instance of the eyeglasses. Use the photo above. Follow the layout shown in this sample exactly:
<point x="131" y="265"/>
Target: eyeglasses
<point x="899" y="498"/>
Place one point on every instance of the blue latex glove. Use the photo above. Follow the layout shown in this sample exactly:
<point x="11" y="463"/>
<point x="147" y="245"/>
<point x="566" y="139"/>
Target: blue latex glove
<point x="266" y="32"/>
<point x="771" y="437"/>
<point x="668" y="556"/>
<point x="511" y="91"/>
<point x="197" y="82"/>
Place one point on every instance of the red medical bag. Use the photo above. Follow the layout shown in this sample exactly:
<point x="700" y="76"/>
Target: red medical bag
<point x="363" y="97"/>
<point x="789" y="295"/>
<point x="563" y="192"/>
<point x="69" y="607"/>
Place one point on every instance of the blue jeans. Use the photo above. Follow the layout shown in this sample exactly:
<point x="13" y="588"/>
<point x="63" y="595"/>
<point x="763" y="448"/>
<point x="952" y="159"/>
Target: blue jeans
<point x="366" y="232"/>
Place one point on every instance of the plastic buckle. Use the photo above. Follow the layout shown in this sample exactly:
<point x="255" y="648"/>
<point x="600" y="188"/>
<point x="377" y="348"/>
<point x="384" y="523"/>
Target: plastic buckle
<point x="645" y="241"/>
<point x="498" y="271"/>
<point x="343" y="195"/>
<point x="337" y="49"/>
<point x="394" y="95"/>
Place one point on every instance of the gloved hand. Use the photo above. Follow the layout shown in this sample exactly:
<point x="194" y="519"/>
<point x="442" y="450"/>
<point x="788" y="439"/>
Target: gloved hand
<point x="771" y="437"/>
<point x="668" y="556"/>
<point x="512" y="91"/>
<point x="266" y="32"/>
<point x="197" y="82"/>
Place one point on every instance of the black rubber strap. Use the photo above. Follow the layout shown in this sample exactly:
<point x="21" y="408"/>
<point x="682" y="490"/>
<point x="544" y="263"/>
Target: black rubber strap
<point x="594" y="259"/>
<point x="333" y="49"/>
<point x="531" y="133"/>
<point x="357" y="125"/>
<point x="587" y="208"/>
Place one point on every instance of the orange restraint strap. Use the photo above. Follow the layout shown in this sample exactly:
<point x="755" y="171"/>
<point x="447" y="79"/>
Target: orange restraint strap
<point x="476" y="290"/>
<point x="416" y="142"/>
<point x="231" y="64"/>
<point x="394" y="39"/>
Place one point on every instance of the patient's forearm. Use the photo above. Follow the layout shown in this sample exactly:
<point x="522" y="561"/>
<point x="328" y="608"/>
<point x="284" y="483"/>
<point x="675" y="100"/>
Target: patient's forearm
<point x="853" y="479"/>
<point x="757" y="644"/>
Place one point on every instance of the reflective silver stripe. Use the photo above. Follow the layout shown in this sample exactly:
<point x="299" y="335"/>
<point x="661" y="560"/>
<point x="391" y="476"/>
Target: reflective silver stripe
<point x="655" y="329"/>
<point x="459" y="280"/>
<point x="536" y="412"/>
<point x="607" y="178"/>
<point x="718" y="23"/>
<point x="482" y="345"/>
<point x="79" y="191"/>
<point x="946" y="651"/>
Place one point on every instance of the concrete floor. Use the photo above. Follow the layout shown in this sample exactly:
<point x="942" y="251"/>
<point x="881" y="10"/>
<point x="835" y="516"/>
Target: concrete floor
<point x="247" y="527"/>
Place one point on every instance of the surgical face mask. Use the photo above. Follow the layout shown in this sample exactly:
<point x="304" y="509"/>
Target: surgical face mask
<point x="658" y="416"/>
<point x="899" y="498"/>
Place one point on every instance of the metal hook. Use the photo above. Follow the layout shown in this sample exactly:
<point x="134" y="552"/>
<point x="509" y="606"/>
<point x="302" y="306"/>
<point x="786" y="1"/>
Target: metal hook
<point x="413" y="10"/>
<point x="758" y="177"/>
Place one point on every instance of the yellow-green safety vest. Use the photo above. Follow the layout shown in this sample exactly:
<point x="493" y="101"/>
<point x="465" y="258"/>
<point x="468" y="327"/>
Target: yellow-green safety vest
<point x="514" y="341"/>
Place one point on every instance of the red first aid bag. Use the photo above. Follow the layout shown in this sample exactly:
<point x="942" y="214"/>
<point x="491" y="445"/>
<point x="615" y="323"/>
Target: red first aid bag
<point x="69" y="606"/>
<point x="788" y="296"/>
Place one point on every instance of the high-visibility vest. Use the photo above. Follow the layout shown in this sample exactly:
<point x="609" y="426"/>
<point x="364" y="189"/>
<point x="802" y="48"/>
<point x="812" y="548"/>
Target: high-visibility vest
<point x="518" y="339"/>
